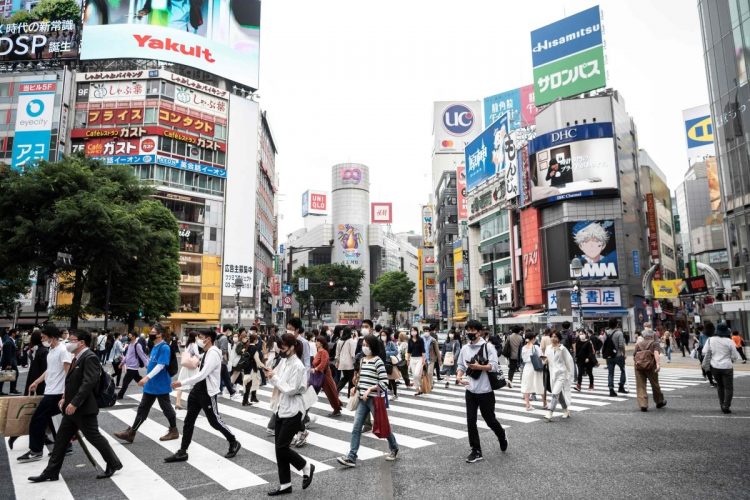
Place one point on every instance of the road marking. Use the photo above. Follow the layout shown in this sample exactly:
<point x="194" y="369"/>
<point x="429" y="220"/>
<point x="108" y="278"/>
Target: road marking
<point x="20" y="472"/>
<point x="714" y="416"/>
<point x="225" y="472"/>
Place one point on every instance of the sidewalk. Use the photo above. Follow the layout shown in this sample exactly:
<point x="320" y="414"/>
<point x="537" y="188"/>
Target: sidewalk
<point x="678" y="361"/>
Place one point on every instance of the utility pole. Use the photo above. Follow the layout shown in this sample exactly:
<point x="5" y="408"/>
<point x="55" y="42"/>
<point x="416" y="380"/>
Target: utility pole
<point x="106" y="299"/>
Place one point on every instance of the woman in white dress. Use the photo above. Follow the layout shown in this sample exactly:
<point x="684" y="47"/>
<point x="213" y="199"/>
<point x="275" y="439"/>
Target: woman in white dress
<point x="561" y="375"/>
<point x="531" y="380"/>
<point x="191" y="352"/>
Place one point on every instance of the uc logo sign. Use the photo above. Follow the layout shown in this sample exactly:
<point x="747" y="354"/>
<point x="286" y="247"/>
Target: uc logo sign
<point x="458" y="119"/>
<point x="700" y="131"/>
<point x="35" y="108"/>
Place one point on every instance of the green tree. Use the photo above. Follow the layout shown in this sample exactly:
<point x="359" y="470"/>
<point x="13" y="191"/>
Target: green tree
<point x="20" y="16"/>
<point x="13" y="283"/>
<point x="56" y="10"/>
<point x="329" y="284"/>
<point x="394" y="291"/>
<point x="80" y="207"/>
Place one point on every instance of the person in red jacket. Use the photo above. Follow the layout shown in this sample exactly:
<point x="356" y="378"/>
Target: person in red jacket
<point x="320" y="365"/>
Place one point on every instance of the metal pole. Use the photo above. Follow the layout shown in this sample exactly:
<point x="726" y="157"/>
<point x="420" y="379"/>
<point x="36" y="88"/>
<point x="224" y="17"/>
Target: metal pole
<point x="580" y="302"/>
<point x="106" y="299"/>
<point x="290" y="250"/>
<point x="494" y="297"/>
<point x="239" y="311"/>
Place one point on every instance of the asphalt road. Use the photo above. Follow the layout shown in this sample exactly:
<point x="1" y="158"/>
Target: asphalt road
<point x="611" y="450"/>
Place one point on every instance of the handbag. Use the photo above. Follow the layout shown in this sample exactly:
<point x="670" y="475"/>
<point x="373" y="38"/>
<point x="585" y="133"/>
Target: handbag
<point x="536" y="361"/>
<point x="381" y="427"/>
<point x="310" y="397"/>
<point x="316" y="379"/>
<point x="706" y="363"/>
<point x="426" y="385"/>
<point x="353" y="402"/>
<point x="497" y="381"/>
<point x="694" y="353"/>
<point x="189" y="361"/>
<point x="7" y="376"/>
<point x="449" y="359"/>
<point x="594" y="361"/>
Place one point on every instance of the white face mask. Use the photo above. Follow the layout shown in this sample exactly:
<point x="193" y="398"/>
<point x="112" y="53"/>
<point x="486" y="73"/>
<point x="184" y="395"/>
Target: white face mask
<point x="200" y="343"/>
<point x="582" y="337"/>
<point x="71" y="346"/>
<point x="235" y="339"/>
<point x="383" y="338"/>
<point x="45" y="344"/>
<point x="365" y="331"/>
<point x="366" y="350"/>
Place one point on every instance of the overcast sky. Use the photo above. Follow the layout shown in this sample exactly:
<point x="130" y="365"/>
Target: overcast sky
<point x="354" y="81"/>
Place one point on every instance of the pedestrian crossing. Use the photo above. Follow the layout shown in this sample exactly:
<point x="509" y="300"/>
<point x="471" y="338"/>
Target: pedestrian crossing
<point x="437" y="418"/>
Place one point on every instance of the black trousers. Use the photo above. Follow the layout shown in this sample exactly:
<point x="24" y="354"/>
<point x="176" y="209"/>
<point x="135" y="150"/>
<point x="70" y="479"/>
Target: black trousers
<point x="147" y="401"/>
<point x="130" y="374"/>
<point x="405" y="373"/>
<point x="346" y="376"/>
<point x="226" y="380"/>
<point x="725" y="381"/>
<point x="512" y="368"/>
<point x="486" y="404"/>
<point x="117" y="373"/>
<point x="286" y="429"/>
<point x="588" y="369"/>
<point x="198" y="401"/>
<point x="741" y="352"/>
<point x="41" y="420"/>
<point x="89" y="427"/>
<point x="708" y="374"/>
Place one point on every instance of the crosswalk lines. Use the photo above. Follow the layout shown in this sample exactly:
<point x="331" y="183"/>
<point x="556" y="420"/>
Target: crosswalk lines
<point x="418" y="421"/>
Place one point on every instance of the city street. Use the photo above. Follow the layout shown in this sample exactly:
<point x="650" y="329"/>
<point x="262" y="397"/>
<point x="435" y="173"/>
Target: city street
<point x="608" y="447"/>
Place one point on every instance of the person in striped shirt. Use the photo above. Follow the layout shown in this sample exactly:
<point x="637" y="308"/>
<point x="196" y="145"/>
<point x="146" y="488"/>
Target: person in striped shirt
<point x="372" y="378"/>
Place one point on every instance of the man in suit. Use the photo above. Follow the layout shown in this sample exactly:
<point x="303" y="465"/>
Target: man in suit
<point x="80" y="409"/>
<point x="9" y="359"/>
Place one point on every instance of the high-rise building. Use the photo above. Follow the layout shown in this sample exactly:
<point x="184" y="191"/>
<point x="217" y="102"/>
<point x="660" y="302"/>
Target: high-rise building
<point x="446" y="228"/>
<point x="658" y="198"/>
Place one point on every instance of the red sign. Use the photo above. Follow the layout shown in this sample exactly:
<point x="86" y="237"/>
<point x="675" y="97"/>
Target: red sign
<point x="201" y="142"/>
<point x="115" y="116"/>
<point x="318" y="201"/>
<point x="653" y="236"/>
<point x="120" y="146"/>
<point x="37" y="87"/>
<point x="531" y="257"/>
<point x="186" y="122"/>
<point x="381" y="213"/>
<point x="463" y="205"/>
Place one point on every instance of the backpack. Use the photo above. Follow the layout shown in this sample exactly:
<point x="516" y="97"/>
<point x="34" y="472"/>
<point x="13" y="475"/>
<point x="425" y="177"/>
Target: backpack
<point x="644" y="359"/>
<point x="608" y="348"/>
<point x="173" y="365"/>
<point x="506" y="349"/>
<point x="105" y="391"/>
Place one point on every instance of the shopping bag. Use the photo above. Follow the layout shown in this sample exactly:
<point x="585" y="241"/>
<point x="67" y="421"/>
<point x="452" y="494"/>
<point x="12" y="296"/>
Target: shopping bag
<point x="381" y="427"/>
<point x="7" y="375"/>
<point x="19" y="413"/>
<point x="310" y="397"/>
<point x="449" y="360"/>
<point x="316" y="379"/>
<point x="426" y="384"/>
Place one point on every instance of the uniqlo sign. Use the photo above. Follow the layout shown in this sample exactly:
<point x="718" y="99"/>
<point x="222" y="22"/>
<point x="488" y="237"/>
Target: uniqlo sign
<point x="314" y="203"/>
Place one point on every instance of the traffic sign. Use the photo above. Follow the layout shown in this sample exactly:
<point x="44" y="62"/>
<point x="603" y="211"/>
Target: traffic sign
<point x="287" y="289"/>
<point x="287" y="300"/>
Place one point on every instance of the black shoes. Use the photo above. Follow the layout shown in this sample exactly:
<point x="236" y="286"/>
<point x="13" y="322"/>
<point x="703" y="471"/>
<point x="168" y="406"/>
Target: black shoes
<point x="179" y="456"/>
<point x="307" y="480"/>
<point x="623" y="390"/>
<point x="44" y="476"/>
<point x="234" y="447"/>
<point x="474" y="456"/>
<point x="285" y="491"/>
<point x="644" y="408"/>
<point x="504" y="444"/>
<point x="662" y="404"/>
<point x="111" y="469"/>
<point x="612" y="393"/>
<point x="726" y="410"/>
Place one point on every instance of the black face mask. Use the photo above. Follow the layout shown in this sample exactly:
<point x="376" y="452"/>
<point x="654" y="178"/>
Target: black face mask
<point x="471" y="336"/>
<point x="283" y="354"/>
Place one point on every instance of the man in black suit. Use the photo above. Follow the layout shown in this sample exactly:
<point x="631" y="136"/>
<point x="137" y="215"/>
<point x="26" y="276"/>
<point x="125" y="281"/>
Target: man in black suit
<point x="9" y="359"/>
<point x="80" y="409"/>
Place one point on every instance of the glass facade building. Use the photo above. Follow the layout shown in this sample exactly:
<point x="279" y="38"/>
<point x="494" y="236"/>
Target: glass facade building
<point x="725" y="27"/>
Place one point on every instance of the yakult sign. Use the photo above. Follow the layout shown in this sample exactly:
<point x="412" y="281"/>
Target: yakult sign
<point x="455" y="124"/>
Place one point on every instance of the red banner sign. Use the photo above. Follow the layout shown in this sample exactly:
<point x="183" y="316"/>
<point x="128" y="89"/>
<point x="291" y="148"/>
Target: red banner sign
<point x="201" y="142"/>
<point x="121" y="146"/>
<point x="185" y="122"/>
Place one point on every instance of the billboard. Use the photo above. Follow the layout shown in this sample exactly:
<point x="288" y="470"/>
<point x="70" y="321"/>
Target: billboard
<point x="428" y="260"/>
<point x="221" y="37"/>
<point x="596" y="297"/>
<point x="314" y="203"/>
<point x="350" y="244"/>
<point x="462" y="193"/>
<point x="485" y="155"/>
<point x="531" y="256"/>
<point x="428" y="234"/>
<point x="666" y="289"/>
<point x="568" y="56"/>
<point x="239" y="235"/>
<point x="455" y="124"/>
<point x="714" y="189"/>
<point x="652" y="225"/>
<point x="459" y="275"/>
<point x="33" y="128"/>
<point x="50" y="34"/>
<point x="593" y="242"/>
<point x="573" y="162"/>
<point x="699" y="132"/>
<point x="518" y="103"/>
<point x="381" y="213"/>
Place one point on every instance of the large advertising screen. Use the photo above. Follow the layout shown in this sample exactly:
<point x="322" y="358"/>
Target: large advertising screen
<point x="455" y="124"/>
<point x="573" y="162"/>
<point x="568" y="56"/>
<point x="49" y="32"/>
<point x="219" y="36"/>
<point x="593" y="242"/>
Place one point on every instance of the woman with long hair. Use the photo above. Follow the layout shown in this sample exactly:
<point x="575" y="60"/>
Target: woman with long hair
<point x="320" y="366"/>
<point x="416" y="355"/>
<point x="585" y="359"/>
<point x="531" y="380"/>
<point x="251" y="363"/>
<point x="289" y="381"/>
<point x="345" y="359"/>
<point x="191" y="349"/>
<point x="392" y="359"/>
<point x="403" y="365"/>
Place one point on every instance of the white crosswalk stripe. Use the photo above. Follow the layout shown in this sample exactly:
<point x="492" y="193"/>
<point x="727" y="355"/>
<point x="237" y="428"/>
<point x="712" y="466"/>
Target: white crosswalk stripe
<point x="417" y="421"/>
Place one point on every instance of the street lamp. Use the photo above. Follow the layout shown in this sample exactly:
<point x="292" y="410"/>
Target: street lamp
<point x="576" y="268"/>
<point x="238" y="288"/>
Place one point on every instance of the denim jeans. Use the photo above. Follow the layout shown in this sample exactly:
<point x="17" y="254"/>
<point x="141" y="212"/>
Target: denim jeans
<point x="364" y="408"/>
<point x="611" y="363"/>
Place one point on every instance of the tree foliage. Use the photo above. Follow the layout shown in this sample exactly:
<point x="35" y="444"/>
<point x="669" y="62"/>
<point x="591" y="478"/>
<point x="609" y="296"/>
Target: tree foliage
<point x="98" y="214"/>
<point x="346" y="288"/>
<point x="394" y="291"/>
<point x="56" y="10"/>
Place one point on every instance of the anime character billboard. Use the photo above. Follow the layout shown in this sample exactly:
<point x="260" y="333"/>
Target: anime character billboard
<point x="593" y="242"/>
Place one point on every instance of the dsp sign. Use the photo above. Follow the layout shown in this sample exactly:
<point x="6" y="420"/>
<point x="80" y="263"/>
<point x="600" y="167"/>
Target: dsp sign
<point x="186" y="122"/>
<point x="455" y="125"/>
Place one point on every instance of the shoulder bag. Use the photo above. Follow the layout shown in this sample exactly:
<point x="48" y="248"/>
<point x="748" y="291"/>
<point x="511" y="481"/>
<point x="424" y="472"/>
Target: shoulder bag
<point x="593" y="361"/>
<point x="536" y="361"/>
<point x="706" y="363"/>
<point x="189" y="361"/>
<point x="497" y="381"/>
<point x="381" y="426"/>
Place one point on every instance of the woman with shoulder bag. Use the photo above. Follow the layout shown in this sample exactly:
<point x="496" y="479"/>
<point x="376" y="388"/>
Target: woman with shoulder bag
<point x="251" y="364"/>
<point x="190" y="362"/>
<point x="451" y="349"/>
<point x="403" y="365"/>
<point x="322" y="372"/>
<point x="585" y="359"/>
<point x="531" y="378"/>
<point x="392" y="360"/>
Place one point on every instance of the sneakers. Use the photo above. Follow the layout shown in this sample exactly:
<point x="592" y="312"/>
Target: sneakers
<point x="566" y="414"/>
<point x="179" y="456"/>
<point x="392" y="455"/>
<point x="548" y="416"/>
<point x="662" y="404"/>
<point x="474" y="456"/>
<point x="30" y="456"/>
<point x="301" y="439"/>
<point x="346" y="461"/>
<point x="234" y="447"/>
<point x="236" y="397"/>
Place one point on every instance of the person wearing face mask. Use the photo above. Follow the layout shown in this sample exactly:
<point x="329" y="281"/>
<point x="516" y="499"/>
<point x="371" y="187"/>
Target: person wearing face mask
<point x="289" y="381"/>
<point x="50" y="383"/>
<point x="345" y="359"/>
<point x="392" y="359"/>
<point x="561" y="374"/>
<point x="417" y="359"/>
<point x="80" y="410"/>
<point x="191" y="351"/>
<point x="203" y="397"/>
<point x="585" y="359"/>
<point x="294" y="327"/>
<point x="239" y="340"/>
<point x="531" y="380"/>
<point x="115" y="358"/>
<point x="134" y="360"/>
<point x="320" y="366"/>
<point x="479" y="394"/>
<point x="451" y="350"/>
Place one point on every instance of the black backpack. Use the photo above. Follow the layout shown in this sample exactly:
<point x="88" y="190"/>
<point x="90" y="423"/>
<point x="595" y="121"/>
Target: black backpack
<point x="105" y="391"/>
<point x="608" y="348"/>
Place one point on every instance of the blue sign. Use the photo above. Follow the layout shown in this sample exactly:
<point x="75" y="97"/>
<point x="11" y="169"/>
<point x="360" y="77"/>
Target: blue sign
<point x="192" y="167"/>
<point x="282" y="248"/>
<point x="567" y="36"/>
<point x="125" y="160"/>
<point x="636" y="263"/>
<point x="458" y="119"/>
<point x="499" y="104"/>
<point x="30" y="147"/>
<point x="699" y="131"/>
<point x="287" y="289"/>
<point x="485" y="155"/>
<point x="33" y="125"/>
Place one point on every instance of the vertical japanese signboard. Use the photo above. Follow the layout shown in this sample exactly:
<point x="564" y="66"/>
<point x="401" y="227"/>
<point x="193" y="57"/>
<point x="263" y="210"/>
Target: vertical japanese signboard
<point x="36" y="105"/>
